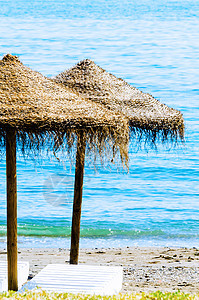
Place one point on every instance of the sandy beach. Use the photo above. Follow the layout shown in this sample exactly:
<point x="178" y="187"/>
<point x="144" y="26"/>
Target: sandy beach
<point x="144" y="269"/>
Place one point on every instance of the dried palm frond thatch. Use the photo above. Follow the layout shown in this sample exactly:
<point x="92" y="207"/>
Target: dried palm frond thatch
<point x="45" y="112"/>
<point x="145" y="113"/>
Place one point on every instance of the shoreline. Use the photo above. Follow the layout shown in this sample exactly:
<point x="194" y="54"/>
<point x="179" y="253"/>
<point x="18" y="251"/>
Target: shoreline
<point x="100" y="242"/>
<point x="145" y="269"/>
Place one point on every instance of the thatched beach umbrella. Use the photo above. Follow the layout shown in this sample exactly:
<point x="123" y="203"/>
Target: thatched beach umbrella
<point x="145" y="113"/>
<point x="34" y="112"/>
<point x="147" y="117"/>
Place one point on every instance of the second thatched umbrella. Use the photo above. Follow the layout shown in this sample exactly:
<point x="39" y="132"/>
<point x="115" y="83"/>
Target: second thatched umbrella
<point x="145" y="113"/>
<point x="146" y="116"/>
<point x="34" y="112"/>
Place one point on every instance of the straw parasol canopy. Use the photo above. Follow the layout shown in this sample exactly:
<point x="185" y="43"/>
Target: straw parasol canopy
<point x="145" y="113"/>
<point x="35" y="112"/>
<point x="37" y="107"/>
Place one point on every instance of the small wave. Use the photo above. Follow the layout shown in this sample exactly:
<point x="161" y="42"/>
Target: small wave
<point x="61" y="231"/>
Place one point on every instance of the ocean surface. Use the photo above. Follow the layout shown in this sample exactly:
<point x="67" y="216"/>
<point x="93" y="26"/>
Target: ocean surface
<point x="153" y="45"/>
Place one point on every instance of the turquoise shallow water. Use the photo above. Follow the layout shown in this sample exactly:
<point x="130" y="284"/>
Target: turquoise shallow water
<point x="154" y="46"/>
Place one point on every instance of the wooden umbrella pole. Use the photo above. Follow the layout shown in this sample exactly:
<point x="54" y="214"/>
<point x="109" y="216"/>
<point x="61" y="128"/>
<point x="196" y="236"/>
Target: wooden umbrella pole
<point x="77" y="203"/>
<point x="11" y="209"/>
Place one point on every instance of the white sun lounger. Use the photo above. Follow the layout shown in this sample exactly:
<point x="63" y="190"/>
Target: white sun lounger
<point x="99" y="280"/>
<point x="23" y="272"/>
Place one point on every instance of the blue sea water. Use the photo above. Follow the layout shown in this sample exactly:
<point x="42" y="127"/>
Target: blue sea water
<point x="153" y="45"/>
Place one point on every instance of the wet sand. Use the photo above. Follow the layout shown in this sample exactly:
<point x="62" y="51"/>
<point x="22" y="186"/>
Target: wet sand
<point x="144" y="269"/>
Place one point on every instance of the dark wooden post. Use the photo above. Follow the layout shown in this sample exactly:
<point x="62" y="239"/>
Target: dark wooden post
<point x="77" y="203"/>
<point x="11" y="209"/>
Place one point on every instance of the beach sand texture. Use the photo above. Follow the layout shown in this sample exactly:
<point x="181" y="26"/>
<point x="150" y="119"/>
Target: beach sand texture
<point x="144" y="269"/>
